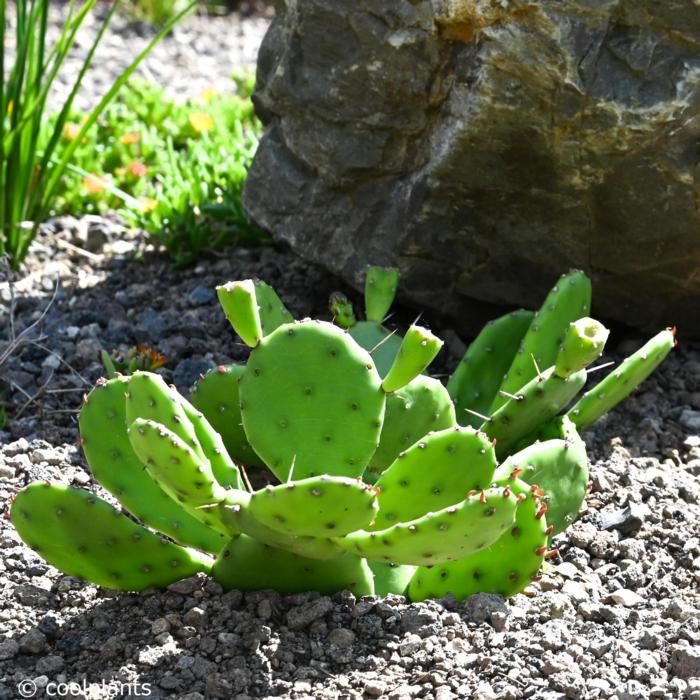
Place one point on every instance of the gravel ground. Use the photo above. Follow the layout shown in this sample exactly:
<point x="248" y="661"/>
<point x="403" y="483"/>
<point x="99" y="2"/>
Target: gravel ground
<point x="616" y="615"/>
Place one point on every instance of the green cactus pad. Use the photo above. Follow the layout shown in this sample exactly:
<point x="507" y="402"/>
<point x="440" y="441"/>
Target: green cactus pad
<point x="176" y="469"/>
<point x="436" y="472"/>
<point x="568" y="301"/>
<point x="583" y="343"/>
<point x="118" y="469"/>
<point x="506" y="567"/>
<point x="223" y="467"/>
<point x="391" y="578"/>
<point x="622" y="381"/>
<point x="418" y="349"/>
<point x="341" y="308"/>
<point x="413" y="411"/>
<point x="479" y="375"/>
<point x="236" y="514"/>
<point x="240" y="304"/>
<point x="320" y="505"/>
<point x="247" y="565"/>
<point x="379" y="342"/>
<point x="84" y="536"/>
<point x="444" y="535"/>
<point x="381" y="284"/>
<point x="560" y="467"/>
<point x="216" y="396"/>
<point x="149" y="397"/>
<point x="537" y="402"/>
<point x="273" y="313"/>
<point x="310" y="396"/>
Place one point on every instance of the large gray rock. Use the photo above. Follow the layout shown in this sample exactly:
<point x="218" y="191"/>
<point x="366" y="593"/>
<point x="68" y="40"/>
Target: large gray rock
<point x="485" y="146"/>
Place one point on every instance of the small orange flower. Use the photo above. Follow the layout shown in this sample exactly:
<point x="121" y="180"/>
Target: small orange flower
<point x="93" y="184"/>
<point x="71" y="131"/>
<point x="130" y="137"/>
<point x="137" y="169"/>
<point x="201" y="122"/>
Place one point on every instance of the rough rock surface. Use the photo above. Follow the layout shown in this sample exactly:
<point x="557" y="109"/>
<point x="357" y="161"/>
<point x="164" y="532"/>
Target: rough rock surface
<point x="486" y="146"/>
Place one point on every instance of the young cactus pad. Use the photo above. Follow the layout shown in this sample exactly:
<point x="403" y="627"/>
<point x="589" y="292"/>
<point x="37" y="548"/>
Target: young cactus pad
<point x="240" y="304"/>
<point x="84" y="536"/>
<point x="418" y="349"/>
<point x="311" y="400"/>
<point x="583" y="343"/>
<point x="380" y="289"/>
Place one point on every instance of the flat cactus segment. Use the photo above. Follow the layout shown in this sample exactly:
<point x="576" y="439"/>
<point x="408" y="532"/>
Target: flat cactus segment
<point x="438" y="471"/>
<point x="216" y="396"/>
<point x="247" y="565"/>
<point x="622" y="381"/>
<point x="237" y="516"/>
<point x="273" y="313"/>
<point x="419" y="348"/>
<point x="240" y="304"/>
<point x="583" y="343"/>
<point x="413" y="411"/>
<point x="537" y="402"/>
<point x="174" y="465"/>
<point x="331" y="505"/>
<point x="84" y="536"/>
<point x="149" y="397"/>
<point x="118" y="469"/>
<point x="560" y="467"/>
<point x="341" y="308"/>
<point x="568" y="301"/>
<point x="223" y="467"/>
<point x="445" y="535"/>
<point x="506" y="567"/>
<point x="310" y="396"/>
<point x="381" y="343"/>
<point x="391" y="578"/>
<point x="475" y="382"/>
<point x="381" y="284"/>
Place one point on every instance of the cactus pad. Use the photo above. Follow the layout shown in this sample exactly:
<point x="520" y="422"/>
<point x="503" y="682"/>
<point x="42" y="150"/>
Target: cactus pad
<point x="380" y="289"/>
<point x="240" y="304"/>
<point x="436" y="472"/>
<point x="413" y="411"/>
<point x="248" y="565"/>
<point x="568" y="301"/>
<point x="391" y="578"/>
<point x="445" y="535"/>
<point x="273" y="313"/>
<point x="381" y="343"/>
<point x="84" y="536"/>
<point x="622" y="381"/>
<point x="537" y="402"/>
<point x="418" y="349"/>
<point x="315" y="506"/>
<point x="310" y="396"/>
<point x="583" y="343"/>
<point x="216" y="396"/>
<point x="474" y="384"/>
<point x="118" y="469"/>
<point x="505" y="567"/>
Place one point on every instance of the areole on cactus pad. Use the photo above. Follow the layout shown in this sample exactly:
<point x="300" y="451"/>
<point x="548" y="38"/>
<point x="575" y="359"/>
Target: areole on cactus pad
<point x="380" y="479"/>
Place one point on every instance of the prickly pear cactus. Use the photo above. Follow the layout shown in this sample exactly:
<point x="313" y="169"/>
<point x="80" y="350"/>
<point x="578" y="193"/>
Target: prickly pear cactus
<point x="372" y="484"/>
